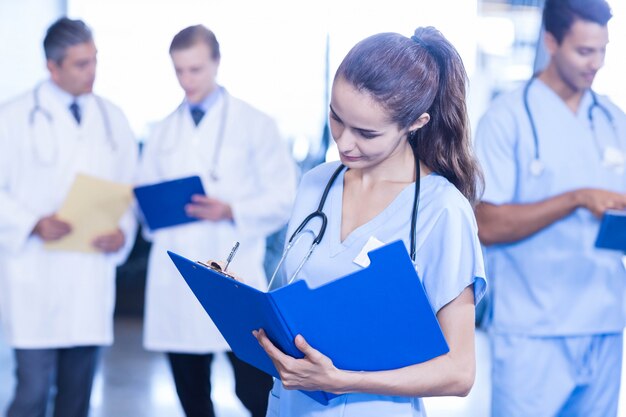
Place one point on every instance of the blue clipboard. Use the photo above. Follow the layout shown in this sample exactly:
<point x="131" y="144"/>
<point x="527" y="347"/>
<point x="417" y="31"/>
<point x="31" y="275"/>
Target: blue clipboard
<point x="612" y="232"/>
<point x="378" y="318"/>
<point x="163" y="204"/>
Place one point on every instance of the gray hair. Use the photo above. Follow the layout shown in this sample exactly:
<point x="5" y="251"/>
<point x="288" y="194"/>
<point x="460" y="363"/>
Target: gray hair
<point x="61" y="35"/>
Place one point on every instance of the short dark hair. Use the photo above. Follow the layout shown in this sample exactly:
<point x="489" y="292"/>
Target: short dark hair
<point x="196" y="34"/>
<point x="560" y="15"/>
<point x="62" y="34"/>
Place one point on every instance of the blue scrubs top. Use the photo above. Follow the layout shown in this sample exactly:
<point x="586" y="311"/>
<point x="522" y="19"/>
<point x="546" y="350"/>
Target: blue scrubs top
<point x="553" y="283"/>
<point x="448" y="259"/>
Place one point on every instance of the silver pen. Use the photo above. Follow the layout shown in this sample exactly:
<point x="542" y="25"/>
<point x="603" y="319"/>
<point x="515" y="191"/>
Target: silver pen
<point x="231" y="255"/>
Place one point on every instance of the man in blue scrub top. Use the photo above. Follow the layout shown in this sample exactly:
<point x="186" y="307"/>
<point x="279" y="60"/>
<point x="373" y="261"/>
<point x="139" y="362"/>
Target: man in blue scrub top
<point x="553" y="158"/>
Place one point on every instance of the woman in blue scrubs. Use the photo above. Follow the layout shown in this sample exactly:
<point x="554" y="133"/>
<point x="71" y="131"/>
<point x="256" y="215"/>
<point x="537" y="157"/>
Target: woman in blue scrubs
<point x="398" y="116"/>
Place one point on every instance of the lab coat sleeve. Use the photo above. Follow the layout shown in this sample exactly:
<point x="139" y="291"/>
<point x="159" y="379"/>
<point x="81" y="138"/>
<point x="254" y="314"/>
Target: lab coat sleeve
<point x="148" y="173"/>
<point x="496" y="142"/>
<point x="16" y="223"/>
<point x="126" y="171"/>
<point x="268" y="209"/>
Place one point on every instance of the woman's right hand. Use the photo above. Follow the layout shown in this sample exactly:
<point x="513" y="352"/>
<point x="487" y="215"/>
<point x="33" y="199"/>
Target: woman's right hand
<point x="219" y="266"/>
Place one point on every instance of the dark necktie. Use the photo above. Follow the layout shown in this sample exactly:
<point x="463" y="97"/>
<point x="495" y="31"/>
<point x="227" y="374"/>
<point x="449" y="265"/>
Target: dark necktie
<point x="75" y="111"/>
<point x="197" y="114"/>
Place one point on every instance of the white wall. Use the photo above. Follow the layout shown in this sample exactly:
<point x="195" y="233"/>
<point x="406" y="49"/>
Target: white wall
<point x="273" y="51"/>
<point x="610" y="79"/>
<point x="272" y="55"/>
<point x="23" y="24"/>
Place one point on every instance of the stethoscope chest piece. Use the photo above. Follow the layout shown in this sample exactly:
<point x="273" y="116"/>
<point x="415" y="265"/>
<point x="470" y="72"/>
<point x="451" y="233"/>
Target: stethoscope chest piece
<point x="536" y="167"/>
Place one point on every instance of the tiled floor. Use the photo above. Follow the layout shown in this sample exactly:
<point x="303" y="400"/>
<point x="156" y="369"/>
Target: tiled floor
<point x="134" y="383"/>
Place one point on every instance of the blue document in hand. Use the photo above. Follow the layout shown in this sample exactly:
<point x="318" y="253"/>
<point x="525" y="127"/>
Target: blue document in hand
<point x="378" y="318"/>
<point x="163" y="204"/>
<point x="612" y="232"/>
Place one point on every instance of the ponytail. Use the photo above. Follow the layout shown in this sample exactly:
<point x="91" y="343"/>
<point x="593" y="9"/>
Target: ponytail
<point x="409" y="77"/>
<point x="444" y="143"/>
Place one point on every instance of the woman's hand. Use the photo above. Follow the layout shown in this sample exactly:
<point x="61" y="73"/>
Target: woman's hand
<point x="219" y="266"/>
<point x="313" y="372"/>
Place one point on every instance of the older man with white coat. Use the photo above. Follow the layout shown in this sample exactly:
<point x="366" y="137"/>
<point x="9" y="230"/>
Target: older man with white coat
<point x="57" y="306"/>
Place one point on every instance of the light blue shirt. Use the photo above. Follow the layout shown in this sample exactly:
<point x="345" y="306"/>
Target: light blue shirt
<point x="553" y="283"/>
<point x="208" y="102"/>
<point x="448" y="259"/>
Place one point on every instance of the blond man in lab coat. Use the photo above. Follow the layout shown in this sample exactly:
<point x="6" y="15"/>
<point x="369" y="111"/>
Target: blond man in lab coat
<point x="56" y="307"/>
<point x="249" y="177"/>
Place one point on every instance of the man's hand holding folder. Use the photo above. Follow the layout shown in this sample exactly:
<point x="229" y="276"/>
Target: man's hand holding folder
<point x="88" y="220"/>
<point x="207" y="208"/>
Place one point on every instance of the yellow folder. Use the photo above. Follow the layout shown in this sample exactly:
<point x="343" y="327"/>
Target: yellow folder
<point x="93" y="207"/>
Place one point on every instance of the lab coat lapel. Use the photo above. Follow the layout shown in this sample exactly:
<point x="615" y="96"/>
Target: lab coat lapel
<point x="60" y="152"/>
<point x="207" y="135"/>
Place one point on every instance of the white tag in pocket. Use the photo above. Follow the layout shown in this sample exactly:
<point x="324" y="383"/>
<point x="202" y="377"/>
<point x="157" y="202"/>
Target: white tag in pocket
<point x="362" y="259"/>
<point x="613" y="159"/>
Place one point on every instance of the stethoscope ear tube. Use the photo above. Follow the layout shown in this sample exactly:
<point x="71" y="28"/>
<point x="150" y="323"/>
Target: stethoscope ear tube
<point x="298" y="233"/>
<point x="537" y="167"/>
<point x="38" y="108"/>
<point x="531" y="119"/>
<point x="416" y="196"/>
<point x="169" y="144"/>
<point x="307" y="219"/>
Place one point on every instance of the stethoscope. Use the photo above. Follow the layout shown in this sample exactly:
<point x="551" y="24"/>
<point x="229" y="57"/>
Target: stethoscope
<point x="319" y="213"/>
<point x="38" y="108"/>
<point x="612" y="156"/>
<point x="221" y="131"/>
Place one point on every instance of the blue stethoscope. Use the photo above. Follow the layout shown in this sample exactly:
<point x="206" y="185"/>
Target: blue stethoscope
<point x="615" y="157"/>
<point x="39" y="109"/>
<point x="319" y="213"/>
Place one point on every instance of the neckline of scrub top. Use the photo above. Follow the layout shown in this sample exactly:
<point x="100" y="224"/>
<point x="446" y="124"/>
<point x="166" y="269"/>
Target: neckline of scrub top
<point x="403" y="198"/>
<point x="583" y="106"/>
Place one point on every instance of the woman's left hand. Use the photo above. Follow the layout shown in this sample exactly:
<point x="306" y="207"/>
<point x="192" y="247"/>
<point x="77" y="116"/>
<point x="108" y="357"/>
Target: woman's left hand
<point x="313" y="372"/>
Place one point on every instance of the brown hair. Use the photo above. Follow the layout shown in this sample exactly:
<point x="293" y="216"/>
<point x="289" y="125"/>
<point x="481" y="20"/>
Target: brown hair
<point x="412" y="76"/>
<point x="196" y="34"/>
<point x="560" y="15"/>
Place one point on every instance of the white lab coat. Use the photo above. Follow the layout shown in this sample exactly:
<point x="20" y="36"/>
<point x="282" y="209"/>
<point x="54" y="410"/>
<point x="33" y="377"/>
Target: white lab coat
<point x="51" y="299"/>
<point x="256" y="177"/>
